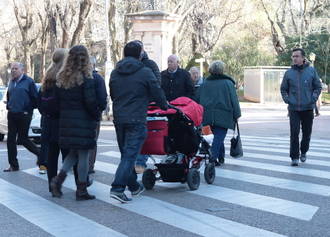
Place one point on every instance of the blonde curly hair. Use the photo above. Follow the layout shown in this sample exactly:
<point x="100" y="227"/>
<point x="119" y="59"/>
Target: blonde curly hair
<point x="76" y="67"/>
<point x="49" y="80"/>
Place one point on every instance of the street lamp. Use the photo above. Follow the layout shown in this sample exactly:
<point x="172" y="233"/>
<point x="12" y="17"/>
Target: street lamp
<point x="312" y="57"/>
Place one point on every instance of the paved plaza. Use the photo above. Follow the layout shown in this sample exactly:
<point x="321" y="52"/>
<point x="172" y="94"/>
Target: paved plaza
<point x="257" y="195"/>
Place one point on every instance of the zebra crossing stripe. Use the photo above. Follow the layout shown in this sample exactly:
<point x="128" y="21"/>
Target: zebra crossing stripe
<point x="190" y="220"/>
<point x="275" y="182"/>
<point x="266" y="180"/>
<point x="280" y="168"/>
<point x="264" y="203"/>
<point x="287" y="139"/>
<point x="285" y="151"/>
<point x="287" y="146"/>
<point x="49" y="216"/>
<point x="286" y="159"/>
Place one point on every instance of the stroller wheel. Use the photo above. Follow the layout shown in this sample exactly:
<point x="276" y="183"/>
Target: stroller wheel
<point x="209" y="173"/>
<point x="148" y="179"/>
<point x="193" y="179"/>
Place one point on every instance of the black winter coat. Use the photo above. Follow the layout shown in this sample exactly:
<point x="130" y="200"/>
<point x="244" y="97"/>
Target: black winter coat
<point x="78" y="116"/>
<point x="132" y="86"/>
<point x="48" y="106"/>
<point x="177" y="84"/>
<point x="152" y="65"/>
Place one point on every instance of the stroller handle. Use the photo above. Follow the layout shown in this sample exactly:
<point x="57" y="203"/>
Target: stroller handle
<point x="173" y="107"/>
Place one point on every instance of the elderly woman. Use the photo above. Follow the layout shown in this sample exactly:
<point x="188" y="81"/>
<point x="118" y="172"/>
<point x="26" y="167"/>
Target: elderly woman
<point x="221" y="107"/>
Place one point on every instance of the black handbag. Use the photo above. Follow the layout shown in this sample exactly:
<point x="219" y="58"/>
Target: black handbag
<point x="236" y="149"/>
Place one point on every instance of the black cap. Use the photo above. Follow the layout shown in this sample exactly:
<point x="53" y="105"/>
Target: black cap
<point x="132" y="49"/>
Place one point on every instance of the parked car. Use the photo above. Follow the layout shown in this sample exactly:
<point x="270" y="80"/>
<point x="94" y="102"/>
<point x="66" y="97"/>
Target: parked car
<point x="35" y="126"/>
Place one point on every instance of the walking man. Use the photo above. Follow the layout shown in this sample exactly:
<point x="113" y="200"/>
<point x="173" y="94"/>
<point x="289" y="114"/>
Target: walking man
<point x="300" y="89"/>
<point x="22" y="98"/>
<point x="132" y="86"/>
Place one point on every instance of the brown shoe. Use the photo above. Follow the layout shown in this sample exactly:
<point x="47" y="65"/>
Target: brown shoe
<point x="11" y="169"/>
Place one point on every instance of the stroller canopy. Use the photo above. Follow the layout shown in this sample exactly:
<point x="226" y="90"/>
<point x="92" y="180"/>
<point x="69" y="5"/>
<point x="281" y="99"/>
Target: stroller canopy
<point x="190" y="108"/>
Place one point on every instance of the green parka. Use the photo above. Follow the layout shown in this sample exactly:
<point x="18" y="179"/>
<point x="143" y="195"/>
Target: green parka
<point x="218" y="97"/>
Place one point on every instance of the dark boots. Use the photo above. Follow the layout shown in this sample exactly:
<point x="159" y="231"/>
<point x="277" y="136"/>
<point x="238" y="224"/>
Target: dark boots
<point x="81" y="193"/>
<point x="56" y="184"/>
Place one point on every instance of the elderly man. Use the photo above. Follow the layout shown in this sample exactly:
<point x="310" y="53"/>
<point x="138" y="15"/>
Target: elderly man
<point x="176" y="82"/>
<point x="196" y="76"/>
<point x="21" y="100"/>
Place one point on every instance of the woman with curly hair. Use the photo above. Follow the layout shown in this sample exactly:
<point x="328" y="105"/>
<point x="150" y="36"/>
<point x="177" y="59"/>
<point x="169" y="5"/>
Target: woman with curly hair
<point x="78" y="115"/>
<point x="48" y="107"/>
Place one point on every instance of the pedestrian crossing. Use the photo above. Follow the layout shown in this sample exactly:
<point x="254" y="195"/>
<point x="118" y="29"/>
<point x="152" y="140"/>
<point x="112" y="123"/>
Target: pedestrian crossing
<point x="264" y="163"/>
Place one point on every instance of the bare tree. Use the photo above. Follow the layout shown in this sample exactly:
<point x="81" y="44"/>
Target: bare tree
<point x="27" y="26"/>
<point x="84" y="9"/>
<point x="44" y="33"/>
<point x="287" y="19"/>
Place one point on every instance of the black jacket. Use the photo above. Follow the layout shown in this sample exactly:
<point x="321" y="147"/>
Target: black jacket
<point x="132" y="86"/>
<point x="101" y="93"/>
<point x="78" y="116"/>
<point x="48" y="106"/>
<point x="152" y="65"/>
<point x="177" y="84"/>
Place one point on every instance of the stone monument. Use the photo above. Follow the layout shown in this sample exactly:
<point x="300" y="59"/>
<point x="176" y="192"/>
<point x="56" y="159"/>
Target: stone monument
<point x="155" y="29"/>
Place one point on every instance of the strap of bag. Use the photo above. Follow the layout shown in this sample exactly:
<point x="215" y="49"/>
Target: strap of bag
<point x="234" y="133"/>
<point x="238" y="133"/>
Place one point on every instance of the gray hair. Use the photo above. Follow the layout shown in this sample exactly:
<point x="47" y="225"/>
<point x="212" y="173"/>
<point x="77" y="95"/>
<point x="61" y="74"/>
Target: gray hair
<point x="175" y="57"/>
<point x="196" y="69"/>
<point x="21" y="65"/>
<point x="217" y="67"/>
<point x="93" y="61"/>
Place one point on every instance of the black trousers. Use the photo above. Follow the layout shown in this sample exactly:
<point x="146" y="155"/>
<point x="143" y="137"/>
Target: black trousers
<point x="18" y="128"/>
<point x="52" y="159"/>
<point x="303" y="119"/>
<point x="93" y="152"/>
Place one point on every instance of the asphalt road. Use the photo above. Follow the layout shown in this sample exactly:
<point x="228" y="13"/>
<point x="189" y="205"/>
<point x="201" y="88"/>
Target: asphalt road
<point x="257" y="195"/>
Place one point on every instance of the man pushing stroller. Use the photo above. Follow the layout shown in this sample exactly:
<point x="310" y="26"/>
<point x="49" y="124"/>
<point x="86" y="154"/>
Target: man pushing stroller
<point x="132" y="86"/>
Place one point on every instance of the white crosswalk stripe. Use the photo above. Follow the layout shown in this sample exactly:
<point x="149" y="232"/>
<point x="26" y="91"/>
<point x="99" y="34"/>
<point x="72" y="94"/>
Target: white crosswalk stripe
<point x="41" y="212"/>
<point x="264" y="203"/>
<point x="190" y="220"/>
<point x="260" y="153"/>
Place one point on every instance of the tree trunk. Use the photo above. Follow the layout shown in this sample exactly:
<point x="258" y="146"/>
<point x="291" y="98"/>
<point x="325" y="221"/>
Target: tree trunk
<point x="85" y="7"/>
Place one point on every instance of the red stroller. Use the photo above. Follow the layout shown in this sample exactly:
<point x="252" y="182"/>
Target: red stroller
<point x="176" y="132"/>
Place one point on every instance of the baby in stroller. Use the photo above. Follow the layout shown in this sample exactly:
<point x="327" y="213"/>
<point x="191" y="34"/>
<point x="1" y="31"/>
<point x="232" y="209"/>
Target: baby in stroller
<point x="176" y="133"/>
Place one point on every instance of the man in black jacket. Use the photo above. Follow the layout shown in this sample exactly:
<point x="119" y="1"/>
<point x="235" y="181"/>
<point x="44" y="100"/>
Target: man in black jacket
<point x="175" y="81"/>
<point x="132" y="86"/>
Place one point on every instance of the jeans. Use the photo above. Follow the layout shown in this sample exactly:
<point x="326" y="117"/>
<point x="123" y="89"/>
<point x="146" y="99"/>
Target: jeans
<point x="18" y="128"/>
<point x="218" y="146"/>
<point x="305" y="120"/>
<point x="80" y="156"/>
<point x="141" y="160"/>
<point x="130" y="138"/>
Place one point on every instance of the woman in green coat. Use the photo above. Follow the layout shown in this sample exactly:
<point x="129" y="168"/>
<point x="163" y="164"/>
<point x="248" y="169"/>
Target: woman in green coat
<point x="221" y="107"/>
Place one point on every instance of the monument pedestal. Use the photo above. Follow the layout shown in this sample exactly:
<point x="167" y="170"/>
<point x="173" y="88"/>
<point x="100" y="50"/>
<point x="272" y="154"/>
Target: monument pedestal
<point x="155" y="29"/>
